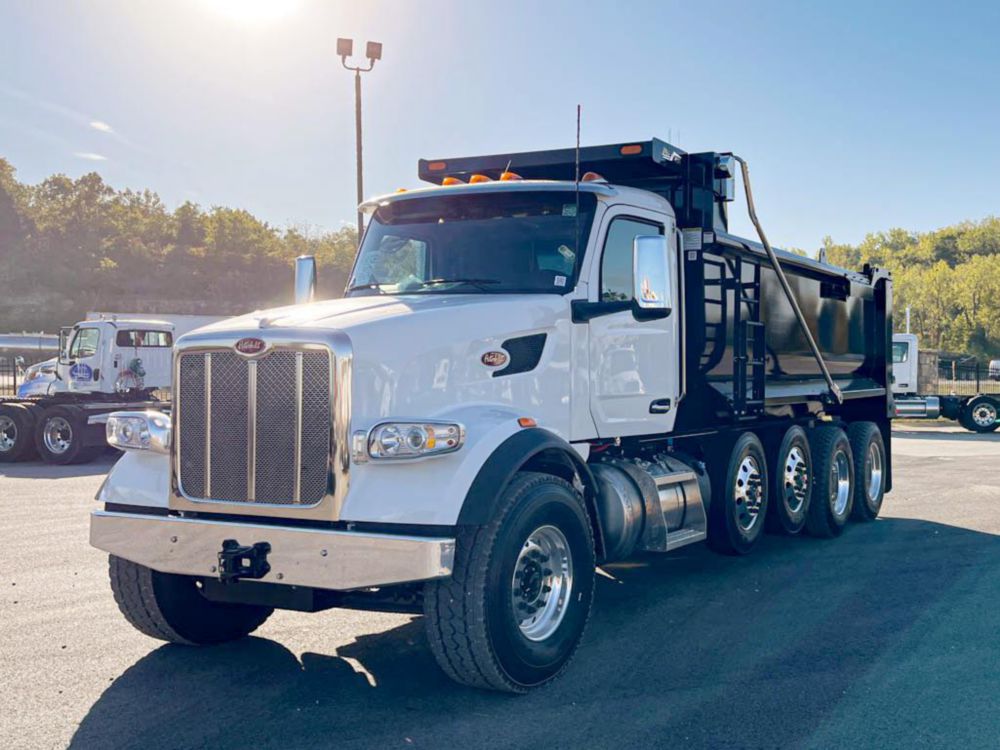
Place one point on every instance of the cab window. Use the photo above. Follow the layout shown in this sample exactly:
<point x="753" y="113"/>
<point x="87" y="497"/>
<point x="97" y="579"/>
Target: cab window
<point x="900" y="352"/>
<point x="85" y="343"/>
<point x="147" y="339"/>
<point x="616" y="263"/>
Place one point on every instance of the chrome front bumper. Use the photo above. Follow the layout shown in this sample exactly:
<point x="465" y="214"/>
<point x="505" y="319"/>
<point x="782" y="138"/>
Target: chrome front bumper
<point x="319" y="558"/>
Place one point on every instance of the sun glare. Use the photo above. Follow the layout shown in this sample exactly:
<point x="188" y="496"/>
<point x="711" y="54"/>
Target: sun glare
<point x="253" y="11"/>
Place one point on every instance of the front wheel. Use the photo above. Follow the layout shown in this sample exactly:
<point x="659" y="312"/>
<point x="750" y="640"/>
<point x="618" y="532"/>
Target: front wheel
<point x="512" y="615"/>
<point x="171" y="608"/>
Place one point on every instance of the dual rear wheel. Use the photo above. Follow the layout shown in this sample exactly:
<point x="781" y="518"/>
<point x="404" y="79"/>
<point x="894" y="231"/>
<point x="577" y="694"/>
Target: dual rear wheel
<point x="814" y="480"/>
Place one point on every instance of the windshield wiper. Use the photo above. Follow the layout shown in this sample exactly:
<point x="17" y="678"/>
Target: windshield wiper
<point x="376" y="285"/>
<point x="478" y="283"/>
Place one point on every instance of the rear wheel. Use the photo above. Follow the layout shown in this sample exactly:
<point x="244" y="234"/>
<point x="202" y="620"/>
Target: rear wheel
<point x="171" y="608"/>
<point x="791" y="484"/>
<point x="739" y="498"/>
<point x="17" y="426"/>
<point x="512" y="615"/>
<point x="871" y="467"/>
<point x="59" y="437"/>
<point x="981" y="414"/>
<point x="833" y="490"/>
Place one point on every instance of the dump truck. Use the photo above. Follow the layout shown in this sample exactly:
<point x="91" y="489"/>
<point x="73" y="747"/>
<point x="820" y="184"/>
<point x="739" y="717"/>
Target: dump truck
<point x="544" y="362"/>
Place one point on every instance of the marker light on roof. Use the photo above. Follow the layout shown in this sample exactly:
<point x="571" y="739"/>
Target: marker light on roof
<point x="452" y="181"/>
<point x="478" y="178"/>
<point x="510" y="177"/>
<point x="437" y="166"/>
<point x="592" y="177"/>
<point x="632" y="148"/>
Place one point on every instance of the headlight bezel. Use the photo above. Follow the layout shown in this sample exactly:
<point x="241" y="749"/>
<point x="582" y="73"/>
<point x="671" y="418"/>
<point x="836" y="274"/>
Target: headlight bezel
<point x="444" y="438"/>
<point x="148" y="430"/>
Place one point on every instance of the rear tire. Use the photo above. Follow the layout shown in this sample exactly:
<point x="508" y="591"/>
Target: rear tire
<point x="833" y="488"/>
<point x="739" y="498"/>
<point x="791" y="483"/>
<point x="871" y="467"/>
<point x="981" y="414"/>
<point x="170" y="608"/>
<point x="17" y="433"/>
<point x="483" y="627"/>
<point x="60" y="434"/>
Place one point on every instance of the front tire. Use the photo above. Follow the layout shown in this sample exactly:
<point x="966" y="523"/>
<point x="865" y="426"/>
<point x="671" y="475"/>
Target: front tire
<point x="739" y="498"/>
<point x="833" y="489"/>
<point x="170" y="608"/>
<point x="513" y="612"/>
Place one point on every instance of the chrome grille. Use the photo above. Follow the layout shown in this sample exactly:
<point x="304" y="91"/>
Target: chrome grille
<point x="254" y="430"/>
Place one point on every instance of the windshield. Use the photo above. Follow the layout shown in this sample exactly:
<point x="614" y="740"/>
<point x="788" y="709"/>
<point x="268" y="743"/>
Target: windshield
<point x="473" y="243"/>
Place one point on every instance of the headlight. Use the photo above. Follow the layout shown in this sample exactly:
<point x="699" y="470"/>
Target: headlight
<point x="139" y="431"/>
<point x="414" y="439"/>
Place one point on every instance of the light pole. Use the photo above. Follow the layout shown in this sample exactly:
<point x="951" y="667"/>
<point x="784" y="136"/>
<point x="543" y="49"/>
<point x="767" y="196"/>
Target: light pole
<point x="373" y="51"/>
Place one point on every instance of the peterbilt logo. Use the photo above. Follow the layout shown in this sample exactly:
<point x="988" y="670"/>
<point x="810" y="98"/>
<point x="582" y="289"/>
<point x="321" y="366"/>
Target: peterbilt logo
<point x="250" y="346"/>
<point x="494" y="359"/>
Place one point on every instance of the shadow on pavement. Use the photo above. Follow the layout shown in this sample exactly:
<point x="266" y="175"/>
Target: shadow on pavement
<point x="687" y="648"/>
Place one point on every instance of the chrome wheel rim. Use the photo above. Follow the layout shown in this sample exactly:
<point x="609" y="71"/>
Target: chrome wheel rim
<point x="8" y="434"/>
<point x="749" y="493"/>
<point x="874" y="472"/>
<point x="841" y="476"/>
<point x="57" y="436"/>
<point x="542" y="583"/>
<point x="796" y="479"/>
<point x="984" y="415"/>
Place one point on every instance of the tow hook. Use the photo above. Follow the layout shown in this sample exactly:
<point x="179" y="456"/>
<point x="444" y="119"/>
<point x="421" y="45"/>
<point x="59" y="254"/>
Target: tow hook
<point x="236" y="561"/>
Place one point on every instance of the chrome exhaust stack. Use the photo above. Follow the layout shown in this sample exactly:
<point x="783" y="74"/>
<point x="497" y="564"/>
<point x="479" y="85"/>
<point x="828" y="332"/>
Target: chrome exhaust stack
<point x="305" y="279"/>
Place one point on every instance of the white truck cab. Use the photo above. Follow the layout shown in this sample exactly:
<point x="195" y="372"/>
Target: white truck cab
<point x="527" y="375"/>
<point x="116" y="356"/>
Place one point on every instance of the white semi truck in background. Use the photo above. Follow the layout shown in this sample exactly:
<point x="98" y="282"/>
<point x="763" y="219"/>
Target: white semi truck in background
<point x="105" y="363"/>
<point x="544" y="362"/>
<point x="967" y="393"/>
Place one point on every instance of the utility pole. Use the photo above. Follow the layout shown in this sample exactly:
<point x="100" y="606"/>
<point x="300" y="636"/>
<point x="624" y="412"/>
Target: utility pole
<point x="373" y="51"/>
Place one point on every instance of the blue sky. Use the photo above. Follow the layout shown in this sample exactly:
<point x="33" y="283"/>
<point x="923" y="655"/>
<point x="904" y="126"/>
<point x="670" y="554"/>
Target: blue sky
<point x="855" y="116"/>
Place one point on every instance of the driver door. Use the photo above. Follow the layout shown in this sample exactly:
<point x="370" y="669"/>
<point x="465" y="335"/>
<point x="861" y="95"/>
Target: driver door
<point x="85" y="366"/>
<point x="634" y="360"/>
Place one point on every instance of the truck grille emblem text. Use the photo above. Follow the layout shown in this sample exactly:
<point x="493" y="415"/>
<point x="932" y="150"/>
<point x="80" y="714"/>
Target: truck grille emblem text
<point x="494" y="359"/>
<point x="250" y="346"/>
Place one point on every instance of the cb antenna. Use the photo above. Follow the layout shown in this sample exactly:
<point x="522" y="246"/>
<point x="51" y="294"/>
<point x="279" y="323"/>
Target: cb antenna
<point x="576" y="213"/>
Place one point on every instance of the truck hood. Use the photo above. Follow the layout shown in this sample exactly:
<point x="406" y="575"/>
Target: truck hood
<point x="421" y="355"/>
<point x="349" y="312"/>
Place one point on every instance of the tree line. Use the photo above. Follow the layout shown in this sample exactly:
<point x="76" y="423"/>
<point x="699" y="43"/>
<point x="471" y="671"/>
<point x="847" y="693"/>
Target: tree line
<point x="68" y="246"/>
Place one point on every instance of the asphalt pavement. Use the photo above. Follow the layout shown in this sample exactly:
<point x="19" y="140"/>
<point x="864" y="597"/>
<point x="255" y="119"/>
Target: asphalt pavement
<point x="886" y="637"/>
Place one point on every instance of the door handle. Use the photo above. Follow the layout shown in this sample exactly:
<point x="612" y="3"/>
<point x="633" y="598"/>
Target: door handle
<point x="659" y="406"/>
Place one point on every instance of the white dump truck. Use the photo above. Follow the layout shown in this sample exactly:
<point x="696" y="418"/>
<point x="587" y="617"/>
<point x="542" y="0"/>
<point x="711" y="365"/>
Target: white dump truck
<point x="544" y="362"/>
<point x="926" y="387"/>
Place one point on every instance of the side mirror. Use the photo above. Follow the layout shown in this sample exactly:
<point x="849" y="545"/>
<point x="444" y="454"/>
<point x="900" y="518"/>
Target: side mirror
<point x="651" y="275"/>
<point x="65" y="333"/>
<point x="305" y="279"/>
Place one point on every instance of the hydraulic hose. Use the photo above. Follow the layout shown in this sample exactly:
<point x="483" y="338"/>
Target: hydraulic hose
<point x="835" y="392"/>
